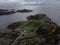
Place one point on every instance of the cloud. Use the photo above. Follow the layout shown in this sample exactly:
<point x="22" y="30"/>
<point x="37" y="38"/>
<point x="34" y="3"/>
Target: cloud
<point x="12" y="0"/>
<point x="16" y="3"/>
<point x="29" y="1"/>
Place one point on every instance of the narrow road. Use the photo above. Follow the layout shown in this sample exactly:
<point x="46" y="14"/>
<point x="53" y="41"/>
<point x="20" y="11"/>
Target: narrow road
<point x="26" y="36"/>
<point x="20" y="36"/>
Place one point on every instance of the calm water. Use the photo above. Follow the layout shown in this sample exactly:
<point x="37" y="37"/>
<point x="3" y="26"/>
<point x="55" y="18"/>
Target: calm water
<point x="53" y="11"/>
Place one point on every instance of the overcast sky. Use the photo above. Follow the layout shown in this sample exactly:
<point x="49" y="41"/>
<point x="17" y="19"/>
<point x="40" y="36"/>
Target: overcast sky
<point x="42" y="1"/>
<point x="15" y="3"/>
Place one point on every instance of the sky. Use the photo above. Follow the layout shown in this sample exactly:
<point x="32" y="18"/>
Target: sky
<point x="15" y="3"/>
<point x="42" y="1"/>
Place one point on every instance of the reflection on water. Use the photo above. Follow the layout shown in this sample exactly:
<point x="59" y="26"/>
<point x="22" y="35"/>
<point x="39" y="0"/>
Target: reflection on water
<point x="53" y="11"/>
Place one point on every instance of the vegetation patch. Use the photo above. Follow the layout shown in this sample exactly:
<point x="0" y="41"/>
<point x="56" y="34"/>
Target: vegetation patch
<point x="31" y="25"/>
<point x="15" y="25"/>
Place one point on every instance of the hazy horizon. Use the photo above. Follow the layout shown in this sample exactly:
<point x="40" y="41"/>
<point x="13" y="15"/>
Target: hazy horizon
<point x="17" y="3"/>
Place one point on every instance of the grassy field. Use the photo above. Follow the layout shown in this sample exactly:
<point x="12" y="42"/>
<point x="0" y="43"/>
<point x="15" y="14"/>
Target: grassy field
<point x="31" y="25"/>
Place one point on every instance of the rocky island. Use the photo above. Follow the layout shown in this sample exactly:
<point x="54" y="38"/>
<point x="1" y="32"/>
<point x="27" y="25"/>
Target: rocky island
<point x="37" y="30"/>
<point x="12" y="11"/>
<point x="7" y="12"/>
<point x="24" y="11"/>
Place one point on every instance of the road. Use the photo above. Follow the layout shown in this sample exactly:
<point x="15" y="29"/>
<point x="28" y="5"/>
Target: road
<point x="24" y="32"/>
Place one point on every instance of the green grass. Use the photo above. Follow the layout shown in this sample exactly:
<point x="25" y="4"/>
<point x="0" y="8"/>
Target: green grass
<point x="31" y="25"/>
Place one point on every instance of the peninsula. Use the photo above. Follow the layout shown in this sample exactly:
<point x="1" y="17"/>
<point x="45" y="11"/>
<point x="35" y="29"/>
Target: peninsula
<point x="37" y="30"/>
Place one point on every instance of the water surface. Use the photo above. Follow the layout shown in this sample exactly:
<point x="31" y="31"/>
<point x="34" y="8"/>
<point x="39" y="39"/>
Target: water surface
<point x="52" y="11"/>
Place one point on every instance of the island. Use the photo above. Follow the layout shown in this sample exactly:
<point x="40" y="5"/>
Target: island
<point x="24" y="11"/>
<point x="39" y="29"/>
<point x="7" y="12"/>
<point x="12" y="11"/>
